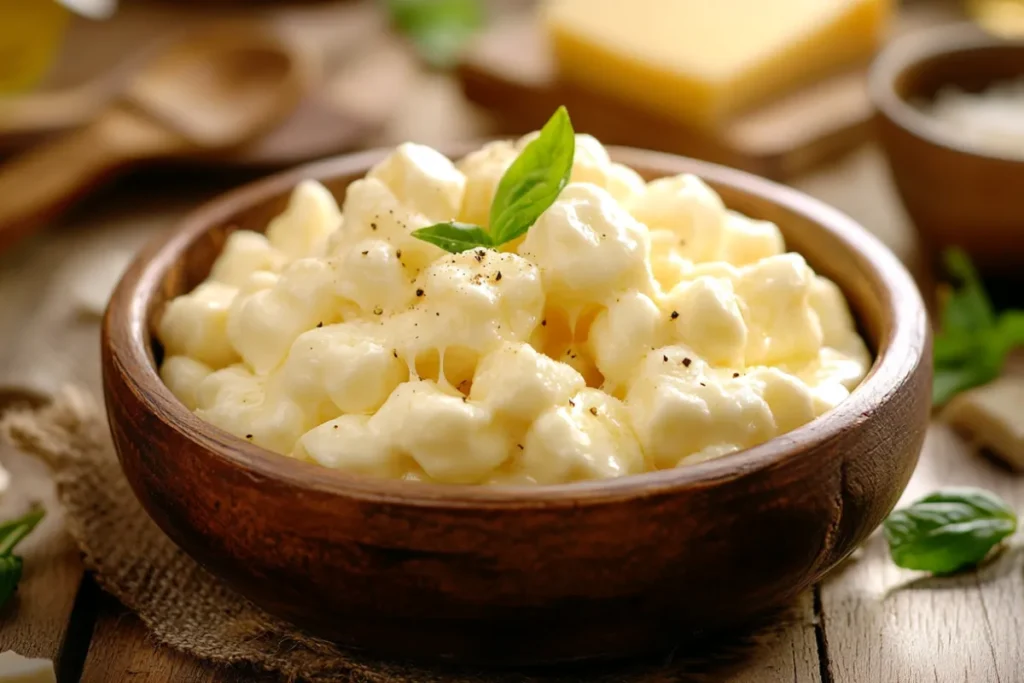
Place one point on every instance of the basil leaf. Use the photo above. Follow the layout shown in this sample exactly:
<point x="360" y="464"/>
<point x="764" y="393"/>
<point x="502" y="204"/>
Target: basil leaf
<point x="968" y="307"/>
<point x="439" y="29"/>
<point x="971" y="347"/>
<point x="455" y="237"/>
<point x="949" y="530"/>
<point x="534" y="180"/>
<point x="11" y="533"/>
<point x="10" y="575"/>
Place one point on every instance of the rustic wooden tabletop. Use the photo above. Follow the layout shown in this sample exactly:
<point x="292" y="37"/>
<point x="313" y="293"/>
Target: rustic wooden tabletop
<point x="867" y="622"/>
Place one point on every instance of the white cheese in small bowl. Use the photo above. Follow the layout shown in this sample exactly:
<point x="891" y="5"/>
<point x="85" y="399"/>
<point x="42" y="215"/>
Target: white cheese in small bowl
<point x="991" y="121"/>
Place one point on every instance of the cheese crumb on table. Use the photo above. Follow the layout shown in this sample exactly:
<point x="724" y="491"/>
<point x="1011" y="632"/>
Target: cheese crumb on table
<point x="991" y="417"/>
<point x="17" y="669"/>
<point x="636" y="326"/>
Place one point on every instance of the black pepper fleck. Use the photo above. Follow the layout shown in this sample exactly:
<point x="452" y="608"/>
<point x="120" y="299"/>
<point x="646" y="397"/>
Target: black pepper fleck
<point x="373" y="226"/>
<point x="248" y="436"/>
<point x="498" y="276"/>
<point x="572" y="403"/>
<point x="365" y="253"/>
<point x="419" y="292"/>
<point x="735" y="374"/>
<point x="664" y="359"/>
<point x="543" y="323"/>
<point x="593" y="411"/>
<point x="686" y="362"/>
<point x="320" y="324"/>
<point x="377" y="310"/>
<point x="395" y="352"/>
<point x="675" y="314"/>
<point x="703" y="385"/>
<point x="519" y="446"/>
<point x="398" y="253"/>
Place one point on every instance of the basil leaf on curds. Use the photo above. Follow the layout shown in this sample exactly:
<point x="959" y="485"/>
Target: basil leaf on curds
<point x="973" y="341"/>
<point x="948" y="530"/>
<point x="454" y="237"/>
<point x="528" y="188"/>
<point x="11" y="534"/>
<point x="534" y="180"/>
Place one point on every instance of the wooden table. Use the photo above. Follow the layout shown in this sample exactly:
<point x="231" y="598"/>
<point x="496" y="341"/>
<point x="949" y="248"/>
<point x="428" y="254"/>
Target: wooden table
<point x="867" y="622"/>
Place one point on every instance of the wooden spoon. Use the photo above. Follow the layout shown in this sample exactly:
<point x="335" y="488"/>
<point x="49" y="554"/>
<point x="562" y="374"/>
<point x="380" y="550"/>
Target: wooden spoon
<point x="230" y="86"/>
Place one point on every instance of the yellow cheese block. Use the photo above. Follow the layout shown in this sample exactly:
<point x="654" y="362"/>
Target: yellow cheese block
<point x="699" y="61"/>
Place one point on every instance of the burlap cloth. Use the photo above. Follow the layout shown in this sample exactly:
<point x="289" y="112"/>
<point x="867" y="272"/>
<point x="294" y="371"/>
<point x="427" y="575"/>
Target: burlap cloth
<point x="190" y="610"/>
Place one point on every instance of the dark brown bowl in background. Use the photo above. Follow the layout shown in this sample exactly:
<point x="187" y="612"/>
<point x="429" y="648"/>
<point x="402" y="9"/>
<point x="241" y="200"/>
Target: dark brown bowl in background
<point x="533" y="575"/>
<point x="955" y="194"/>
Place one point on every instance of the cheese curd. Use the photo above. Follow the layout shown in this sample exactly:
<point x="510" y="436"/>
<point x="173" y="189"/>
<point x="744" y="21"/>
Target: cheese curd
<point x="636" y="326"/>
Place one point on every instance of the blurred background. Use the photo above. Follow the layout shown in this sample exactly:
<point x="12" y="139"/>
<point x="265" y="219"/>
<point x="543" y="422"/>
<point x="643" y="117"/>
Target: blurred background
<point x="118" y="116"/>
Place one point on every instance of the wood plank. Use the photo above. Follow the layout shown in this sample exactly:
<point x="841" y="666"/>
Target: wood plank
<point x="123" y="649"/>
<point x="884" y="624"/>
<point x="36" y="622"/>
<point x="791" y="657"/>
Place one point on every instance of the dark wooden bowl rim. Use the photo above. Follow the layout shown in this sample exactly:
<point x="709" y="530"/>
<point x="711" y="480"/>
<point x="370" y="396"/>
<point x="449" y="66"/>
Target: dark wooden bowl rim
<point x="921" y="47"/>
<point x="898" y="354"/>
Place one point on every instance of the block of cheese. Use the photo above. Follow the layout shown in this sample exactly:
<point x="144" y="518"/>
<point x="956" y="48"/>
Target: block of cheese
<point x="17" y="669"/>
<point x="699" y="61"/>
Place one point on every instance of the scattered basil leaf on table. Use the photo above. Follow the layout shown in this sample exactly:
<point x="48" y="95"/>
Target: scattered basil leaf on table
<point x="527" y="189"/>
<point x="439" y="29"/>
<point x="11" y="534"/>
<point x="949" y="530"/>
<point x="973" y="341"/>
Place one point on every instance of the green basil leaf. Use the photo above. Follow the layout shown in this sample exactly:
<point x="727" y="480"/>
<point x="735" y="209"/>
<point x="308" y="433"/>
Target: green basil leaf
<point x="949" y="530"/>
<point x="10" y="575"/>
<point x="439" y="29"/>
<point x="534" y="180"/>
<point x="968" y="308"/>
<point x="971" y="347"/>
<point x="12" y="532"/>
<point x="455" y="237"/>
<point x="1010" y="327"/>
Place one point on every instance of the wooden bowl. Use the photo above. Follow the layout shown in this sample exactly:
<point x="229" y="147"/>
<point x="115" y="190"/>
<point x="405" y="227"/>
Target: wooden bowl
<point x="528" y="575"/>
<point x="955" y="194"/>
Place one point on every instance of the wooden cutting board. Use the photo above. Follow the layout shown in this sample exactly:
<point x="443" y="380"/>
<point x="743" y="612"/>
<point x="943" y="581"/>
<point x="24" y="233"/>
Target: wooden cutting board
<point x="511" y="71"/>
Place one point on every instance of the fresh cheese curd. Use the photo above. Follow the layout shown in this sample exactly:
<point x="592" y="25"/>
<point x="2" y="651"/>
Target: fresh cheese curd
<point x="635" y="326"/>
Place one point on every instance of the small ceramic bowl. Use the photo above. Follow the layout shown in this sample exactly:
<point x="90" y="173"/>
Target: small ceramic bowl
<point x="955" y="194"/>
<point x="526" y="575"/>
